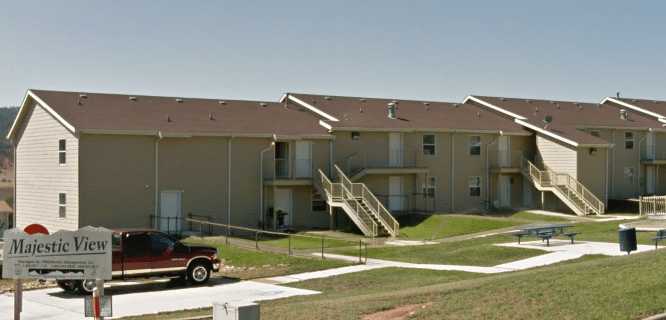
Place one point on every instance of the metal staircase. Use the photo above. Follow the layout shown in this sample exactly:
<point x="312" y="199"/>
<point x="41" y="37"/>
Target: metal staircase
<point x="359" y="203"/>
<point x="569" y="190"/>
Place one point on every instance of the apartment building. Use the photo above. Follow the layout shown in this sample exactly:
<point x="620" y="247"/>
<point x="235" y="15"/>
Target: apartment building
<point x="593" y="149"/>
<point x="119" y="160"/>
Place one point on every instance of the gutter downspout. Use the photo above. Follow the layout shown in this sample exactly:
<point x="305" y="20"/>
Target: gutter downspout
<point x="488" y="170"/>
<point x="607" y="176"/>
<point x="453" y="172"/>
<point x="261" y="182"/>
<point x="157" y="177"/>
<point x="229" y="185"/>
<point x="640" y="191"/>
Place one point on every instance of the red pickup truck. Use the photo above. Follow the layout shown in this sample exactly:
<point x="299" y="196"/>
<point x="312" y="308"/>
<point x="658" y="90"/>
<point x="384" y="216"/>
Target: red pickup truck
<point x="141" y="253"/>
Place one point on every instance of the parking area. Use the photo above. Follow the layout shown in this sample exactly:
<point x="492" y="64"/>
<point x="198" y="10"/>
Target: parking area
<point x="135" y="298"/>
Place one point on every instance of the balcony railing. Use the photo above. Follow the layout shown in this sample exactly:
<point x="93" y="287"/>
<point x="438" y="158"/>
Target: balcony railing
<point x="282" y="168"/>
<point x="394" y="158"/>
<point x="506" y="159"/>
<point x="650" y="154"/>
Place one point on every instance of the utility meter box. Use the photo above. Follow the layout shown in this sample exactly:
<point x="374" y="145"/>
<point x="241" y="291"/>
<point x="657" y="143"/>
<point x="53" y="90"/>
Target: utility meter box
<point x="236" y="311"/>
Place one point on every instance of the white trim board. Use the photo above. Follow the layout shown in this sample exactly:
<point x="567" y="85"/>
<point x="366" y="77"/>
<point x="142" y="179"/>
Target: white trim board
<point x="23" y="110"/>
<point x="633" y="107"/>
<point x="312" y="108"/>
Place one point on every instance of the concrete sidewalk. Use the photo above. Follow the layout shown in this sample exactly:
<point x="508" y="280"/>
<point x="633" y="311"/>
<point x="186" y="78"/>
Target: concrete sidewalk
<point x="138" y="299"/>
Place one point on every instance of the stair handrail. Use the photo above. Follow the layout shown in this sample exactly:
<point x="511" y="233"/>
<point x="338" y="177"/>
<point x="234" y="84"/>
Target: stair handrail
<point x="369" y="224"/>
<point x="579" y="189"/>
<point x="382" y="214"/>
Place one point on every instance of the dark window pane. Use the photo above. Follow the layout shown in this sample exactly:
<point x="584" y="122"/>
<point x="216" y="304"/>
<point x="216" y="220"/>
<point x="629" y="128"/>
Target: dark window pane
<point x="137" y="245"/>
<point x="159" y="244"/>
<point x="475" y="150"/>
<point x="62" y="157"/>
<point x="474" y="191"/>
<point x="428" y="149"/>
<point x="62" y="145"/>
<point x="428" y="139"/>
<point x="115" y="241"/>
<point x="62" y="198"/>
<point x="355" y="135"/>
<point x="62" y="211"/>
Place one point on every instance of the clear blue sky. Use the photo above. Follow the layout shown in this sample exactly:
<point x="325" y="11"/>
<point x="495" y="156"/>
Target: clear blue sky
<point x="577" y="50"/>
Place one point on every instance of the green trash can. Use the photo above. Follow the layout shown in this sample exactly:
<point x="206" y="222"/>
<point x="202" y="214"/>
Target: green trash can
<point x="627" y="240"/>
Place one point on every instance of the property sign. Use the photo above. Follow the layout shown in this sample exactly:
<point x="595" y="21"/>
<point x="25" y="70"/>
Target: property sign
<point x="81" y="254"/>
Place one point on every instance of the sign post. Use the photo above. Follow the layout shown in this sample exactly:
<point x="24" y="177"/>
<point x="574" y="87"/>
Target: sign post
<point x="63" y="255"/>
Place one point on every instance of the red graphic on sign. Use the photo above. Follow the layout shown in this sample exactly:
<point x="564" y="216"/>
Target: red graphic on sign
<point x="36" y="228"/>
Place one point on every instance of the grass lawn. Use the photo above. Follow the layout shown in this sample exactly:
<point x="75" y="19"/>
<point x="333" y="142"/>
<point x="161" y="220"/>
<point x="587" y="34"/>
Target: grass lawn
<point x="250" y="264"/>
<point x="627" y="287"/>
<point x="306" y="242"/>
<point x="606" y="232"/>
<point x="476" y="252"/>
<point x="439" y="226"/>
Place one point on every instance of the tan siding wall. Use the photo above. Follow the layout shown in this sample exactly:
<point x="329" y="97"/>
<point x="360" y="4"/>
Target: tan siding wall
<point x="39" y="176"/>
<point x="592" y="171"/>
<point x="117" y="178"/>
<point x="557" y="156"/>
<point x="623" y="186"/>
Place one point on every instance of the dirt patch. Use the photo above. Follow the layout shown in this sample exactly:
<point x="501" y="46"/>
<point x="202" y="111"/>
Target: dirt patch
<point x="399" y="313"/>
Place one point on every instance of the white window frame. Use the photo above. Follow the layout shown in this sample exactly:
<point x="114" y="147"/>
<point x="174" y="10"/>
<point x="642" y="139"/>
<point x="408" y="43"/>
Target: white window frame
<point x="474" y="144"/>
<point x="430" y="184"/>
<point x="632" y="140"/>
<point x="474" y="182"/>
<point x="62" y="152"/>
<point x="62" y="205"/>
<point x="433" y="144"/>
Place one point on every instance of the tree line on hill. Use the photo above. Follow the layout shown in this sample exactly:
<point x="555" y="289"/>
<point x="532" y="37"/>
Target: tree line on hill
<point x="7" y="115"/>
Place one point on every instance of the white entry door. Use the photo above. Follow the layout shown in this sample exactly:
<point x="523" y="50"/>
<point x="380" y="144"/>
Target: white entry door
<point x="171" y="207"/>
<point x="650" y="180"/>
<point x="395" y="194"/>
<point x="283" y="207"/>
<point x="504" y="154"/>
<point x="303" y="159"/>
<point x="395" y="149"/>
<point x="504" y="191"/>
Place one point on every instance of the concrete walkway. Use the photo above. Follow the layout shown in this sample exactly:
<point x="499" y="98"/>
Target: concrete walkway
<point x="146" y="298"/>
<point x="558" y="251"/>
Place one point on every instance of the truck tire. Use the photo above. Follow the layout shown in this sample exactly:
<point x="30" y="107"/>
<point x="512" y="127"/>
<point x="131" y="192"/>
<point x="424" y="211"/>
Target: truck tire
<point x="85" y="286"/>
<point x="66" y="285"/>
<point x="198" y="272"/>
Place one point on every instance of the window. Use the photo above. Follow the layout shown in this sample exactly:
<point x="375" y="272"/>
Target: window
<point x="136" y="245"/>
<point x="475" y="145"/>
<point x="355" y="135"/>
<point x="160" y="244"/>
<point x="595" y="133"/>
<point x="429" y="144"/>
<point x="318" y="202"/>
<point x="628" y="140"/>
<point x="429" y="187"/>
<point x="62" y="151"/>
<point x="475" y="186"/>
<point x="62" y="205"/>
<point x="629" y="174"/>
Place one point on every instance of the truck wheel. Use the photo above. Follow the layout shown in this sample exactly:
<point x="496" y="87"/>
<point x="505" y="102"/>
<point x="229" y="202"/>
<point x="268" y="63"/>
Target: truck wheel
<point x="85" y="286"/>
<point x="198" y="273"/>
<point x="66" y="285"/>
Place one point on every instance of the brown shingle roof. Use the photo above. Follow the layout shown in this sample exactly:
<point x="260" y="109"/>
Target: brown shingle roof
<point x="568" y="118"/>
<point x="116" y="112"/>
<point x="372" y="113"/>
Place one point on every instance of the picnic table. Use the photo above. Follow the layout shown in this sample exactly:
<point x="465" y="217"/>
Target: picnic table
<point x="546" y="231"/>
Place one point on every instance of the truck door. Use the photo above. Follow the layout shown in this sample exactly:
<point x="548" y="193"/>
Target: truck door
<point x="136" y="254"/>
<point x="166" y="254"/>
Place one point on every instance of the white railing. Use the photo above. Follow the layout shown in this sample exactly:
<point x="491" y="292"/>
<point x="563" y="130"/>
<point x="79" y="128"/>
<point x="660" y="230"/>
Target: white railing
<point x="652" y="206"/>
<point x="335" y="192"/>
<point x="570" y="188"/>
<point x="361" y="191"/>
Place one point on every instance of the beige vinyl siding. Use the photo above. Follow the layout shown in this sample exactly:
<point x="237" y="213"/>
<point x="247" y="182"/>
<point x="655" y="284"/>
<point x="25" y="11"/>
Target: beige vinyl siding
<point x="557" y="156"/>
<point x="117" y="178"/>
<point x="39" y="176"/>
<point x="592" y="171"/>
<point x="622" y="186"/>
